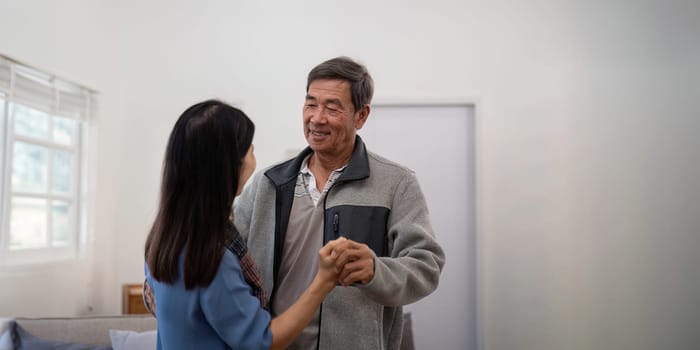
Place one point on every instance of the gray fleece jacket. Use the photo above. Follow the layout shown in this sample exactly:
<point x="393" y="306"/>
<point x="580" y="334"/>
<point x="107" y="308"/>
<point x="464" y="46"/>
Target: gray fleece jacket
<point x="374" y="201"/>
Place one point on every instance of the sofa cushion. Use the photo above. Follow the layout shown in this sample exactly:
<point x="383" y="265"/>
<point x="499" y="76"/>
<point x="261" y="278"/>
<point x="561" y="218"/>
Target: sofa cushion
<point x="22" y="340"/>
<point x="85" y="330"/>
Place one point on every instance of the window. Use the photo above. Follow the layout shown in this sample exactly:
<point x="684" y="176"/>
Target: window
<point x="43" y="140"/>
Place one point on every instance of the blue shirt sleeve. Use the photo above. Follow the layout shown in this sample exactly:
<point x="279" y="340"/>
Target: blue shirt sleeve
<point x="233" y="311"/>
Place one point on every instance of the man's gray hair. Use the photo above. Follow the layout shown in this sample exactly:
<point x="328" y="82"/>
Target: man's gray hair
<point x="345" y="68"/>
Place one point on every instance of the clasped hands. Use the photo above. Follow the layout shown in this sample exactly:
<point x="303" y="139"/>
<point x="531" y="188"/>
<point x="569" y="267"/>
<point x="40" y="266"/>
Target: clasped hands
<point x="347" y="261"/>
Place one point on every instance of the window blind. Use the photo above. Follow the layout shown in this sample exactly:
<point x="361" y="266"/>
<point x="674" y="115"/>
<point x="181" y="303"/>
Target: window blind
<point x="4" y="75"/>
<point x="44" y="92"/>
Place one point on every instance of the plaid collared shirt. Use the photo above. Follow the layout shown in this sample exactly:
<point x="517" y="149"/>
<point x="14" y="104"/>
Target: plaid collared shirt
<point x="309" y="180"/>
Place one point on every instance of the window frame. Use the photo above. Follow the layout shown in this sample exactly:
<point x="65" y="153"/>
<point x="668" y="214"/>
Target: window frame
<point x="77" y="195"/>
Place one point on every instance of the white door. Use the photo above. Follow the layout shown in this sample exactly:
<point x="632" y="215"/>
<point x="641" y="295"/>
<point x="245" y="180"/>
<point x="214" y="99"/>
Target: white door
<point x="437" y="142"/>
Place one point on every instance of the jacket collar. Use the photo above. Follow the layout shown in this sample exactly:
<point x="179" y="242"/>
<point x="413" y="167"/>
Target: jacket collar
<point x="358" y="167"/>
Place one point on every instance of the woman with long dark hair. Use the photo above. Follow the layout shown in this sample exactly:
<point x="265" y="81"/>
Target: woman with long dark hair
<point x="208" y="293"/>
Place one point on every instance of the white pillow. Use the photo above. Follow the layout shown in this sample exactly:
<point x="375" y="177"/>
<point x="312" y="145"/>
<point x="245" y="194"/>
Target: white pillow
<point x="6" y="340"/>
<point x="130" y="340"/>
<point x="5" y="334"/>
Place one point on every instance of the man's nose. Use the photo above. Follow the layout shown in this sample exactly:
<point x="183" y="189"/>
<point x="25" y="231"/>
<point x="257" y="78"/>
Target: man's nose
<point x="318" y="116"/>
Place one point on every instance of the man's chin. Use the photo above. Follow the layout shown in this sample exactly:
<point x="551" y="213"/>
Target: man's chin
<point x="316" y="147"/>
<point x="316" y="141"/>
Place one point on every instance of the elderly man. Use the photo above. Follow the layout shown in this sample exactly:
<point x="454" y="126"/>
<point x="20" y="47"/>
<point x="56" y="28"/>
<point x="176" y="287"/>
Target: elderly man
<point x="337" y="187"/>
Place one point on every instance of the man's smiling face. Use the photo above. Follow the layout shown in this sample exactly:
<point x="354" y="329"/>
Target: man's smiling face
<point x="330" y="119"/>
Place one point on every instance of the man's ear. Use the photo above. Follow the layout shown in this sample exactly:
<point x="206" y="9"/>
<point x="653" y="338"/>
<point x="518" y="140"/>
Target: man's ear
<point x="362" y="116"/>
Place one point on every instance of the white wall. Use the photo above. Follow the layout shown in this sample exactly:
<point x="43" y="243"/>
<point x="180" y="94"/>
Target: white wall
<point x="64" y="38"/>
<point x="587" y="199"/>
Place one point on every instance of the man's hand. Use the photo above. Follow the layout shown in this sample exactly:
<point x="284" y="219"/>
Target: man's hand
<point x="355" y="262"/>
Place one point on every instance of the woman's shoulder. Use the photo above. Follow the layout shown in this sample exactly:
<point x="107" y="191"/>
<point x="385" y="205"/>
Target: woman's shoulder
<point x="229" y="272"/>
<point x="229" y="263"/>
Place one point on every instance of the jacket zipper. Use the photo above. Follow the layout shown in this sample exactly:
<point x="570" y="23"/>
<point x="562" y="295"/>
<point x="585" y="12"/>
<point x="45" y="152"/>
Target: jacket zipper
<point x="336" y="227"/>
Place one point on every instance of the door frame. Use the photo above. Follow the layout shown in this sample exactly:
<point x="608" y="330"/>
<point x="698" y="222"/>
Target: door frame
<point x="475" y="188"/>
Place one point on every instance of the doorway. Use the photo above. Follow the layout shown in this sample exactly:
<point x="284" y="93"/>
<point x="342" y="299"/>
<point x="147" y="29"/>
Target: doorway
<point x="437" y="141"/>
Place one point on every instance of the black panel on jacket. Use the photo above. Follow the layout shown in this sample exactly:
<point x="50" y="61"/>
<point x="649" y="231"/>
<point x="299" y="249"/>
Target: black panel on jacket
<point x="364" y="224"/>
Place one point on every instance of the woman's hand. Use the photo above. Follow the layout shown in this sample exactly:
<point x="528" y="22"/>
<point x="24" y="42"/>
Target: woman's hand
<point x="327" y="271"/>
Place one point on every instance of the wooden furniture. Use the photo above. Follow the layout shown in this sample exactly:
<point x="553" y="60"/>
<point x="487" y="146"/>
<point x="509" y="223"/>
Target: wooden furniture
<point x="132" y="299"/>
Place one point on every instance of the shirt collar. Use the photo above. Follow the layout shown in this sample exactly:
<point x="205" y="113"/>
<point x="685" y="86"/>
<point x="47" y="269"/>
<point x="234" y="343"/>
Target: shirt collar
<point x="306" y="171"/>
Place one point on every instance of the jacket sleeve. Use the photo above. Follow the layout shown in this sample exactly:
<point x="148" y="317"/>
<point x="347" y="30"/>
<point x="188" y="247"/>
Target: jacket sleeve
<point x="243" y="207"/>
<point x="412" y="270"/>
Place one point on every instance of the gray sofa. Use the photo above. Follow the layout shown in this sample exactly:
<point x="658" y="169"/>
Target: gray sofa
<point x="94" y="330"/>
<point x="83" y="330"/>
